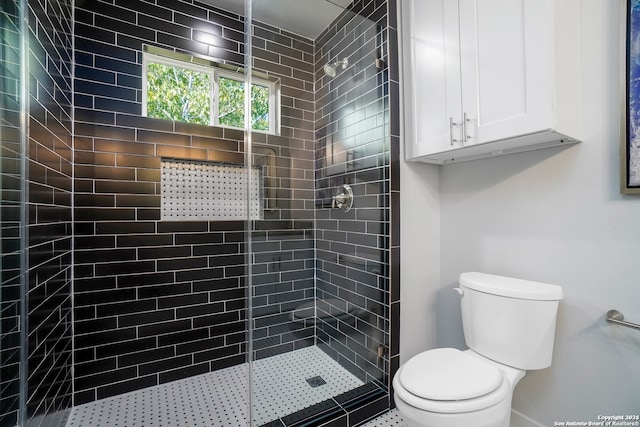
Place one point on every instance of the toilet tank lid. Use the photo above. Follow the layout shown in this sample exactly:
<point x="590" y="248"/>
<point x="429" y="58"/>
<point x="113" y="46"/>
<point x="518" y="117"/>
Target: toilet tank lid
<point x="510" y="287"/>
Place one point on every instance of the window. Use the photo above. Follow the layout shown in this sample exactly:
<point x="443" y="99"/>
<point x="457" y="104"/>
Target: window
<point x="196" y="93"/>
<point x="180" y="94"/>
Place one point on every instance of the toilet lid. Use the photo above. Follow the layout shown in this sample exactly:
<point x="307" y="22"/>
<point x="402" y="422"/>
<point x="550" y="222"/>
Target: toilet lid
<point x="449" y="374"/>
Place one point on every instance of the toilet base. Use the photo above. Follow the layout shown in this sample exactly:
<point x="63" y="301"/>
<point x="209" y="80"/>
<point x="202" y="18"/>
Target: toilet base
<point x="498" y="415"/>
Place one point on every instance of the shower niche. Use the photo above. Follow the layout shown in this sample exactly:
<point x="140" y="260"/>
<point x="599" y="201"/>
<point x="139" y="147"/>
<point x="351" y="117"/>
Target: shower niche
<point x="196" y="190"/>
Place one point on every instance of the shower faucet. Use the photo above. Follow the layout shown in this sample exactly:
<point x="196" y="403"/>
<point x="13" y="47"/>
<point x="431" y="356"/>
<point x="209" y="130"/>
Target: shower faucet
<point x="344" y="199"/>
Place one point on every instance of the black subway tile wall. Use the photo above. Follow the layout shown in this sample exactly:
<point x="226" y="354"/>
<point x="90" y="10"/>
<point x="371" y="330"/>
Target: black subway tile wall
<point x="156" y="301"/>
<point x="49" y="208"/>
<point x="354" y="147"/>
<point x="11" y="176"/>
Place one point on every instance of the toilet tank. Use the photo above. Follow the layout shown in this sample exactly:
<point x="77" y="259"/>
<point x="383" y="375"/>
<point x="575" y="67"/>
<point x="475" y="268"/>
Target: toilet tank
<point x="511" y="321"/>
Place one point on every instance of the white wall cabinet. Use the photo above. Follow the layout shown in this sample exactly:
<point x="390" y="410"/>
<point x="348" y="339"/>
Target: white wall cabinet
<point x="489" y="77"/>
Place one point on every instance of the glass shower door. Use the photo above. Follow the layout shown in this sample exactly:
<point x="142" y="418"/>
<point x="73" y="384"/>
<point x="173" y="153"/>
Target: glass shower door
<point x="12" y="133"/>
<point x="319" y="275"/>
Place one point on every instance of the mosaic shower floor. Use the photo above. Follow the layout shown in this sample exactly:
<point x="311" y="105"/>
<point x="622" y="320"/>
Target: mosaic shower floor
<point x="219" y="399"/>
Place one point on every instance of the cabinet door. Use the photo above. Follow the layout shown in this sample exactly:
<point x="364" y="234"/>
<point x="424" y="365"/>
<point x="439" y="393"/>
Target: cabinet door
<point x="433" y="97"/>
<point x="506" y="69"/>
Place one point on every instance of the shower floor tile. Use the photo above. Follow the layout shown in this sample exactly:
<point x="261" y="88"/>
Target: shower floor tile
<point x="281" y="386"/>
<point x="390" y="419"/>
<point x="220" y="398"/>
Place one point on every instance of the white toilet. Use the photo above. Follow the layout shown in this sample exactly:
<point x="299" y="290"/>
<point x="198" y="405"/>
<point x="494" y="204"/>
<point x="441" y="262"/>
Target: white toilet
<point x="509" y="326"/>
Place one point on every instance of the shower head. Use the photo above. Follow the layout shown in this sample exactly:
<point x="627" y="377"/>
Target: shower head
<point x="330" y="69"/>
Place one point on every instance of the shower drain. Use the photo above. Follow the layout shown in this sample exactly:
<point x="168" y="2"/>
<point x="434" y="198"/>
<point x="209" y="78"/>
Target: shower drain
<point x="316" y="381"/>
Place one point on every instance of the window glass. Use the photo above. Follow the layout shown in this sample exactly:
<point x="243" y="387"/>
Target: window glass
<point x="259" y="107"/>
<point x="179" y="94"/>
<point x="230" y="102"/>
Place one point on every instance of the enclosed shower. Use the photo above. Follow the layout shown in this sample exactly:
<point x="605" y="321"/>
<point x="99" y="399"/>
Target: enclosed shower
<point x="200" y="208"/>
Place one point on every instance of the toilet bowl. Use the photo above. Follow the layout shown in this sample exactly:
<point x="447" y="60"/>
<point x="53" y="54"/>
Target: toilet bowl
<point x="509" y="326"/>
<point x="447" y="387"/>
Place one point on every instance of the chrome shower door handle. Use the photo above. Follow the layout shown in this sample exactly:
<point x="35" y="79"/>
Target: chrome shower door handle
<point x="344" y="199"/>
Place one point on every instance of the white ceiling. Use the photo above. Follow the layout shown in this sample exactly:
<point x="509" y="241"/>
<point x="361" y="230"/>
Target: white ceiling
<point x="307" y="18"/>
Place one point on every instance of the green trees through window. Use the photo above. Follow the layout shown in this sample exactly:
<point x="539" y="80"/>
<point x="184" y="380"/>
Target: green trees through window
<point x="185" y="95"/>
<point x="259" y="107"/>
<point x="231" y="104"/>
<point x="178" y="94"/>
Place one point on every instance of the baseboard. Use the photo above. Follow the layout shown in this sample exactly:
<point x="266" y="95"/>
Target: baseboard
<point x="521" y="420"/>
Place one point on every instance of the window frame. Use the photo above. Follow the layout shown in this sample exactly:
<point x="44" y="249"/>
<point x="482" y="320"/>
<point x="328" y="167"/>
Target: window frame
<point x="214" y="71"/>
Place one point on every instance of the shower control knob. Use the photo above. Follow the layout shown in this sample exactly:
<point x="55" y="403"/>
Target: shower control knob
<point x="344" y="199"/>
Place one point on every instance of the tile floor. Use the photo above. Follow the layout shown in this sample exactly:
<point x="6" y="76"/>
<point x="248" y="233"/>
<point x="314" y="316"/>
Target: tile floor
<point x="219" y="399"/>
<point x="390" y="419"/>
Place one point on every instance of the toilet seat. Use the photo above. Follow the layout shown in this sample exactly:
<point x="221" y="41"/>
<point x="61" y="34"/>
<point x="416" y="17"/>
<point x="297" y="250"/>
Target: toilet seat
<point x="450" y="381"/>
<point x="449" y="374"/>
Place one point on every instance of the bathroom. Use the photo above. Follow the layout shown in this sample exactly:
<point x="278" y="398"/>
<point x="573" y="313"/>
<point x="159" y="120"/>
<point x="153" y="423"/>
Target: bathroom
<point x="553" y="215"/>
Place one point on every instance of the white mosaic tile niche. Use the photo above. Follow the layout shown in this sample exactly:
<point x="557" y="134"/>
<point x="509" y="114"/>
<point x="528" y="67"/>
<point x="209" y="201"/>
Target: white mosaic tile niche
<point x="192" y="190"/>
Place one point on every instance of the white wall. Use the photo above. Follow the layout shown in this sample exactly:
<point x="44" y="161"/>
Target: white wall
<point x="419" y="258"/>
<point x="553" y="216"/>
